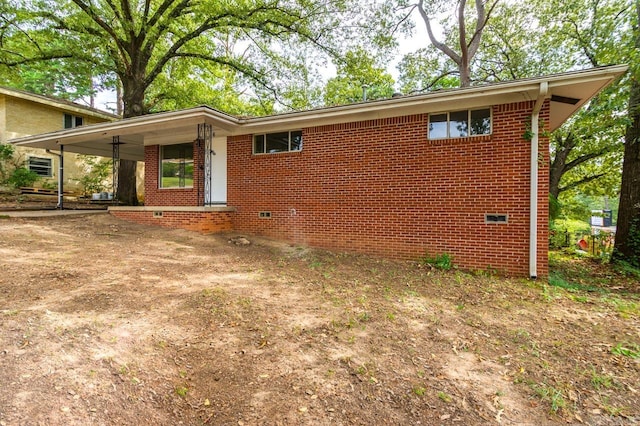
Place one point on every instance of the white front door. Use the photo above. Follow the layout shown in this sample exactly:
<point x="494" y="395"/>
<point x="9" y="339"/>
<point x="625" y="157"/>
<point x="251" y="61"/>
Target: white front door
<point x="215" y="164"/>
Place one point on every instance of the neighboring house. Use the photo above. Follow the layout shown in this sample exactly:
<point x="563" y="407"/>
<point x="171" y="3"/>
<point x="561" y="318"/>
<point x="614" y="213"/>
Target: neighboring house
<point x="23" y="114"/>
<point x="463" y="172"/>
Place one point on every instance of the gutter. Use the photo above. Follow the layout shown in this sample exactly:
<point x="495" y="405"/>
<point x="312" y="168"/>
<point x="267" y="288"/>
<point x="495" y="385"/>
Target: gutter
<point x="533" y="195"/>
<point x="60" y="176"/>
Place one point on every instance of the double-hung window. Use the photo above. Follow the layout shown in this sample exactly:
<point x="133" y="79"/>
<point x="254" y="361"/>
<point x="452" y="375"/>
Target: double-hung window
<point x="176" y="166"/>
<point x="459" y="124"/>
<point x="269" y="143"/>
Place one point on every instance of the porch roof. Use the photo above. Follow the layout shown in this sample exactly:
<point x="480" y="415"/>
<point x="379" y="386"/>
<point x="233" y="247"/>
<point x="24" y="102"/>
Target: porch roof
<point x="567" y="93"/>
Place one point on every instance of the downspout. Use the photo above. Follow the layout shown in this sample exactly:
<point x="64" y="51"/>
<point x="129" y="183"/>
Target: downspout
<point x="533" y="195"/>
<point x="60" y="176"/>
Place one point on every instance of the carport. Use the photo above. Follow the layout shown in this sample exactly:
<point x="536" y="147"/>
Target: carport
<point x="126" y="139"/>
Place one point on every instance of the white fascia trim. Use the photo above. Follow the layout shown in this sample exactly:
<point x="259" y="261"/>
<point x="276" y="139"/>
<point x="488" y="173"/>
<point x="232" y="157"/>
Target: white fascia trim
<point x="130" y="125"/>
<point x="528" y="87"/>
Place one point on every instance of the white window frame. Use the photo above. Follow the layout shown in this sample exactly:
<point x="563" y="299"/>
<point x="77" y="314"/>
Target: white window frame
<point x="264" y="135"/>
<point x="49" y="168"/>
<point x="469" y="135"/>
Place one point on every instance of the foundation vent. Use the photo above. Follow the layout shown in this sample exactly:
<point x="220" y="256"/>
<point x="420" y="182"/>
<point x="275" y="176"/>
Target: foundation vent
<point x="496" y="218"/>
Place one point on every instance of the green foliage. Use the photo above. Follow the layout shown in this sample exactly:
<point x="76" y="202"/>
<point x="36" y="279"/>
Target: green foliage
<point x="444" y="397"/>
<point x="22" y="176"/>
<point x="426" y="70"/>
<point x="600" y="381"/>
<point x="356" y="69"/>
<point x="557" y="280"/>
<point x="554" y="208"/>
<point x="551" y="395"/>
<point x="181" y="391"/>
<point x="174" y="54"/>
<point x="626" y="268"/>
<point x="631" y="350"/>
<point x="567" y="232"/>
<point x="6" y="155"/>
<point x="633" y="242"/>
<point x="419" y="390"/>
<point x="443" y="261"/>
<point x="95" y="176"/>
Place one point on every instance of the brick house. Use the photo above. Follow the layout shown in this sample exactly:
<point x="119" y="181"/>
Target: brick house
<point x="23" y="114"/>
<point x="462" y="172"/>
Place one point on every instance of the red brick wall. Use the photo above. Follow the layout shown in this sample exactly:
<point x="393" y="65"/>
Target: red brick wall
<point x="381" y="187"/>
<point x="156" y="196"/>
<point x="205" y="222"/>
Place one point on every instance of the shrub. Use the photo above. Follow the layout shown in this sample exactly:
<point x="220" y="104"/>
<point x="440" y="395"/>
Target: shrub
<point x="6" y="154"/>
<point x="97" y="172"/>
<point x="22" y="176"/>
<point x="442" y="261"/>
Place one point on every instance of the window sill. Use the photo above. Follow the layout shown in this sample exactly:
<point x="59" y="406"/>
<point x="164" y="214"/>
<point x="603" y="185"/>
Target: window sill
<point x="179" y="188"/>
<point x="449" y="141"/>
<point x="266" y="154"/>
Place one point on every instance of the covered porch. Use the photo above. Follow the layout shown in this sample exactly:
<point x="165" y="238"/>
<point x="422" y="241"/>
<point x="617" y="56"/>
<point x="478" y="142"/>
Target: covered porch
<point x="199" y="204"/>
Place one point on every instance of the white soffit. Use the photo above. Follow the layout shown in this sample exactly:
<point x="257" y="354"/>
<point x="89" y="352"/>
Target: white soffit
<point x="567" y="93"/>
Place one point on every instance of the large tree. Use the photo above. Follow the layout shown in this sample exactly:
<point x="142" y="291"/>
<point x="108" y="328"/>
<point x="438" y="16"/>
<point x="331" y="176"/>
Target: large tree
<point x="627" y="245"/>
<point x="529" y="39"/>
<point x="138" y="40"/>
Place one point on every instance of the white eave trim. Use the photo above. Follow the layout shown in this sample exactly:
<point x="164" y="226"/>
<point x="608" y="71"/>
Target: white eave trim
<point x="520" y="90"/>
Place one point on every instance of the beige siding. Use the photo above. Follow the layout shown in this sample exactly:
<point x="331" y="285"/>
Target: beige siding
<point x="20" y="117"/>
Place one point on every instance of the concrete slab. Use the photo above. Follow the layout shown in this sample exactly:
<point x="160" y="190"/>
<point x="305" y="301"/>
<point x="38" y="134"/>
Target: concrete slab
<point x="48" y="213"/>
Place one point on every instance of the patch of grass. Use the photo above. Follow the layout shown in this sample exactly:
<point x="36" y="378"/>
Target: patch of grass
<point x="627" y="269"/>
<point x="610" y="409"/>
<point x="443" y="261"/>
<point x="315" y="264"/>
<point x="556" y="280"/>
<point x="600" y="381"/>
<point x="181" y="391"/>
<point x="364" y="317"/>
<point x="551" y="395"/>
<point x="631" y="350"/>
<point x="626" y="308"/>
<point x="419" y="390"/>
<point x="549" y="293"/>
<point x="444" y="397"/>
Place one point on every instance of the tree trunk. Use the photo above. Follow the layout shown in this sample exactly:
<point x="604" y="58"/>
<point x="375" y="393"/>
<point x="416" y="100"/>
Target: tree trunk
<point x="465" y="73"/>
<point x="564" y="145"/>
<point x="133" y="106"/>
<point x="127" y="184"/>
<point x="627" y="245"/>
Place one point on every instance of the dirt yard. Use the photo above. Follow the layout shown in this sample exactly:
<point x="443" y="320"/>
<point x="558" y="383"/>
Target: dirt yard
<point x="105" y="322"/>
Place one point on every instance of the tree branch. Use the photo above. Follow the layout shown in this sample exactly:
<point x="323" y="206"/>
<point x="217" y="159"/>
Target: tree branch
<point x="581" y="182"/>
<point x="584" y="158"/>
<point x="439" y="45"/>
<point x="108" y="29"/>
<point x="483" y="19"/>
<point x="464" y="52"/>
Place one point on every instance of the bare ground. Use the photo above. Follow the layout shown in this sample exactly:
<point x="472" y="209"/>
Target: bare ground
<point x="106" y="322"/>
